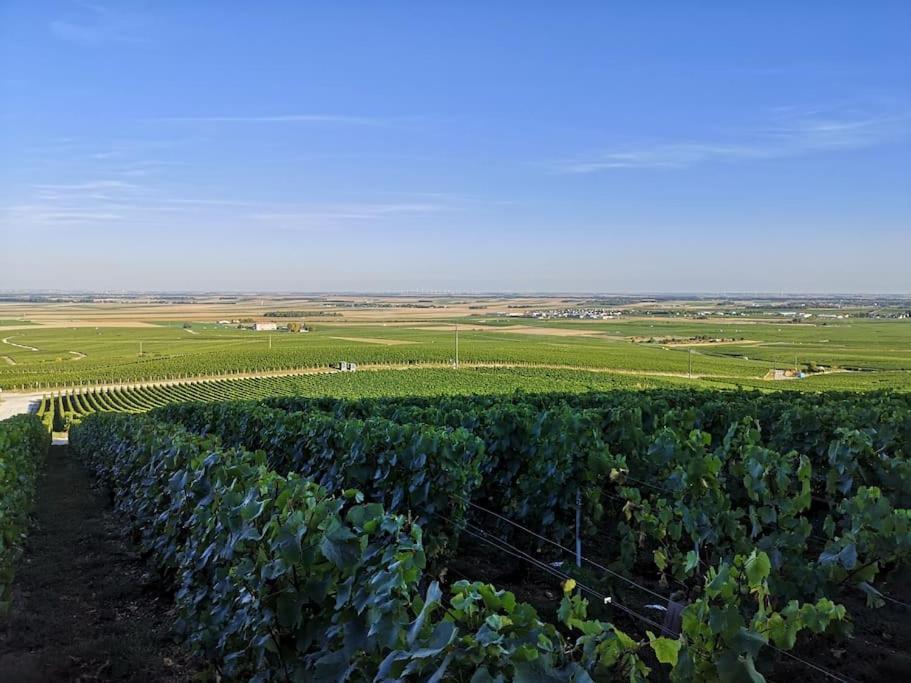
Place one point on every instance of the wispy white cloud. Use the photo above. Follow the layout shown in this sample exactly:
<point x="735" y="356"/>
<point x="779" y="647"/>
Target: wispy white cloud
<point x="88" y="186"/>
<point x="98" y="23"/>
<point x="784" y="137"/>
<point x="42" y="214"/>
<point x="123" y="185"/>
<point x="198" y="201"/>
<point x="145" y="168"/>
<point x="99" y="202"/>
<point x="350" y="212"/>
<point x="276" y="118"/>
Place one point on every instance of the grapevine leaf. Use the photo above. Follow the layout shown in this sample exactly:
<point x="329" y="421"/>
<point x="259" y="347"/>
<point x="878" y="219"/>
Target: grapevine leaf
<point x="660" y="559"/>
<point x="737" y="669"/>
<point x="692" y="561"/>
<point x="758" y="567"/>
<point x="666" y="649"/>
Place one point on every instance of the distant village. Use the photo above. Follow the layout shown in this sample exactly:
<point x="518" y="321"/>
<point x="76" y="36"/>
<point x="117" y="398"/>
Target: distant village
<point x="578" y="313"/>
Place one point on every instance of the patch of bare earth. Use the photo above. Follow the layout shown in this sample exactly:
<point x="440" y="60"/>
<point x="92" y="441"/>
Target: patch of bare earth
<point x="85" y="605"/>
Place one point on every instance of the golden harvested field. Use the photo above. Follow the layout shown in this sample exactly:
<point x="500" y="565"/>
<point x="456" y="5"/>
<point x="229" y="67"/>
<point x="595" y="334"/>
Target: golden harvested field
<point x="342" y="309"/>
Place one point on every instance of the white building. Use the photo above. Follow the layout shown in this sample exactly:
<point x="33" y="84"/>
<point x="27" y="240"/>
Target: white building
<point x="265" y="327"/>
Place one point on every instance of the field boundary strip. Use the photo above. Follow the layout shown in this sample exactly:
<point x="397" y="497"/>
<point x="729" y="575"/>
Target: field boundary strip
<point x="6" y="340"/>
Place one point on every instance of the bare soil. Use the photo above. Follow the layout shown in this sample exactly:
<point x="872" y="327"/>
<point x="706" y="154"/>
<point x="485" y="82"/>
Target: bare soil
<point x="86" y="607"/>
<point x="878" y="650"/>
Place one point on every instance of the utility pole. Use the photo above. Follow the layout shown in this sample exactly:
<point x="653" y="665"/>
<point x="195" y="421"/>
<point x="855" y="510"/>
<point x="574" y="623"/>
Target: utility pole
<point x="140" y="348"/>
<point x="691" y="363"/>
<point x="270" y="342"/>
<point x="578" y="528"/>
<point x="457" y="344"/>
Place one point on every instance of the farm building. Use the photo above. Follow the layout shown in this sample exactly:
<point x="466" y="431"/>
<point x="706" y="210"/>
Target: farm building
<point x="785" y="374"/>
<point x="265" y="327"/>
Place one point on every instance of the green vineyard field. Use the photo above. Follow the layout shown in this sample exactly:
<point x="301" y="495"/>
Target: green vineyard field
<point x="771" y="524"/>
<point x="878" y="352"/>
<point x="73" y="405"/>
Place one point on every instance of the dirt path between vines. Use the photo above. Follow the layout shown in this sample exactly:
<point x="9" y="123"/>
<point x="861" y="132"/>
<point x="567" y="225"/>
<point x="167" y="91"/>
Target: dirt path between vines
<point x="85" y="605"/>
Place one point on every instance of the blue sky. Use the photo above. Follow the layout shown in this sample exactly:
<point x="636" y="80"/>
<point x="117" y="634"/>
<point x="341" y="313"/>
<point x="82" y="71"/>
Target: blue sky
<point x="468" y="146"/>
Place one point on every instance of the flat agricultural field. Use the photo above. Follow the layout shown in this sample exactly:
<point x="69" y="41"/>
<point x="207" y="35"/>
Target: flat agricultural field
<point x="47" y="346"/>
